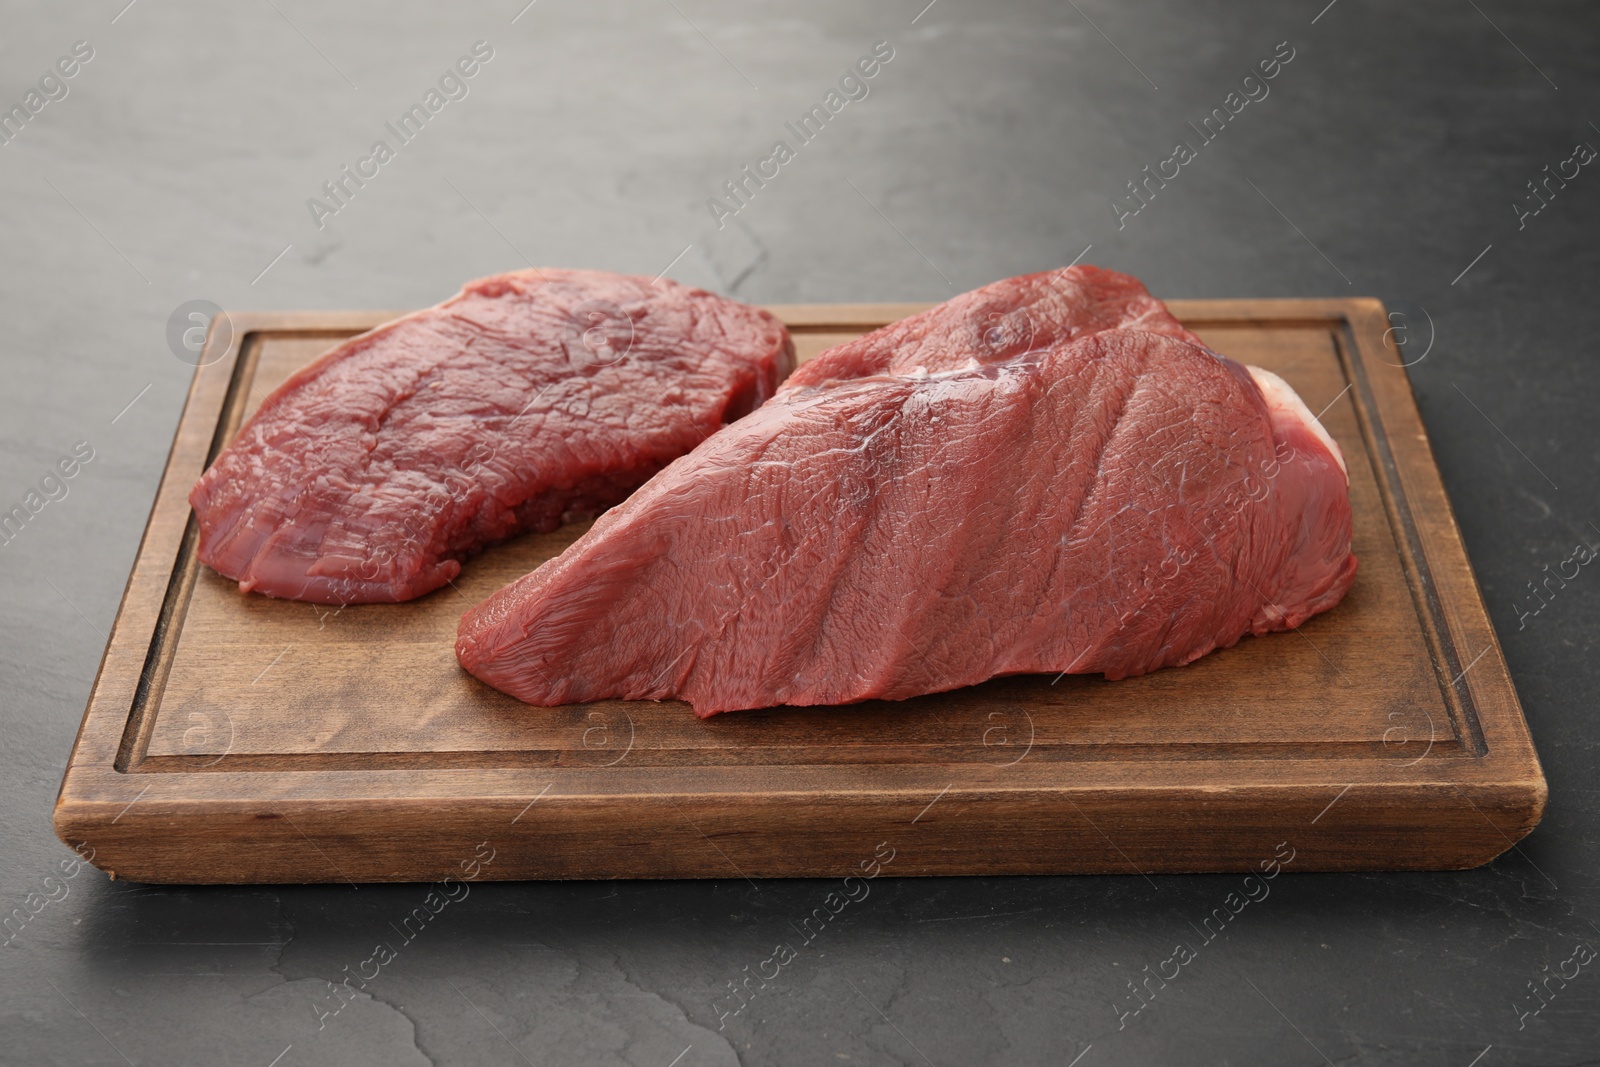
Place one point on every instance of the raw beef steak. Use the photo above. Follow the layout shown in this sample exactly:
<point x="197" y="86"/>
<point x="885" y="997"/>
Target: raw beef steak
<point x="525" y="400"/>
<point x="907" y="517"/>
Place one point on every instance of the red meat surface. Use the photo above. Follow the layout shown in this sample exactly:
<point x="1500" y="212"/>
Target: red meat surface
<point x="999" y="322"/>
<point x="924" y="508"/>
<point x="527" y="400"/>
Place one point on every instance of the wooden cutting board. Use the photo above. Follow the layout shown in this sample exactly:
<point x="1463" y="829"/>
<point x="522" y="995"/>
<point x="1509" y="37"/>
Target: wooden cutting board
<point x="235" y="738"/>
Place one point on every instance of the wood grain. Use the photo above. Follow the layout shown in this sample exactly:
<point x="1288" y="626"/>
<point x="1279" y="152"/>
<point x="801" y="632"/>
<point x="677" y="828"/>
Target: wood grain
<point x="236" y="738"/>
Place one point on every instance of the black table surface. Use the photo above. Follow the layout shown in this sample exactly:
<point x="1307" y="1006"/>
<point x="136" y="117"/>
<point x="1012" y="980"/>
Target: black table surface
<point x="1391" y="155"/>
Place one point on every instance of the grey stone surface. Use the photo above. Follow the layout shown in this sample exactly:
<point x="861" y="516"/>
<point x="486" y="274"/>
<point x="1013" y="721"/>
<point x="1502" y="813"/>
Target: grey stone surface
<point x="178" y="167"/>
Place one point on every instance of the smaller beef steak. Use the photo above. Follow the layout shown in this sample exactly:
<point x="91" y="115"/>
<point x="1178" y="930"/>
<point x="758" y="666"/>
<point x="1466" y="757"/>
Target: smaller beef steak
<point x="527" y="399"/>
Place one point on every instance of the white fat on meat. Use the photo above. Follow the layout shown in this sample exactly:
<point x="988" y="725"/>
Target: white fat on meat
<point x="1285" y="404"/>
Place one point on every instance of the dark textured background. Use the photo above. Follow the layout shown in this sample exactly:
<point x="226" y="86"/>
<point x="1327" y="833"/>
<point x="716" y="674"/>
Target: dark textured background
<point x="1396" y="141"/>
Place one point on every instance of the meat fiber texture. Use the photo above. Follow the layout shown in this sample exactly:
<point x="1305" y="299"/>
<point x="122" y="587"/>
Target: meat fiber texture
<point x="527" y="400"/>
<point x="1048" y="474"/>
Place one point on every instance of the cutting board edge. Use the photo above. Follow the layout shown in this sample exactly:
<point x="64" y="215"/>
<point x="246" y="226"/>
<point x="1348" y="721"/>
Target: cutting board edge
<point x="716" y="836"/>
